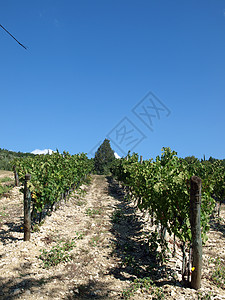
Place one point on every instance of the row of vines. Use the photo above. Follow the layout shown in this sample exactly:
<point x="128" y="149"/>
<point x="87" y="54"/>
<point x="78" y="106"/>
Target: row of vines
<point x="52" y="176"/>
<point x="162" y="188"/>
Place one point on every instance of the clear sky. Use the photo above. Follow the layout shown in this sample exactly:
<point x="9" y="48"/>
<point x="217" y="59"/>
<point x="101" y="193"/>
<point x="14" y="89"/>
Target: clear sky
<point x="146" y="74"/>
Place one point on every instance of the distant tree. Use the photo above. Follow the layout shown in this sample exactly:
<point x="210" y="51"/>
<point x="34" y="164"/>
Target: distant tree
<point x="212" y="159"/>
<point x="104" y="158"/>
<point x="7" y="156"/>
<point x="191" y="159"/>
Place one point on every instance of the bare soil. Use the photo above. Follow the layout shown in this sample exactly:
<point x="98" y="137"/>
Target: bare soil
<point x="4" y="173"/>
<point x="111" y="251"/>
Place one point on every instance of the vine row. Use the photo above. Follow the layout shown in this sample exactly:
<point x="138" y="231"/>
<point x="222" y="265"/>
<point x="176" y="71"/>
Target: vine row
<point x="52" y="176"/>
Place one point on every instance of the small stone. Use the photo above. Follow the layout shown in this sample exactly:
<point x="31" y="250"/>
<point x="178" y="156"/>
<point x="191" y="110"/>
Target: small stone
<point x="4" y="227"/>
<point x="24" y="250"/>
<point x="27" y="292"/>
<point x="16" y="292"/>
<point x="173" y="293"/>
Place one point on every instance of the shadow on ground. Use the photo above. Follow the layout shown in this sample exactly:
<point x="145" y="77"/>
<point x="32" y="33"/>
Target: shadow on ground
<point x="217" y="224"/>
<point x="23" y="284"/>
<point x="17" y="286"/>
<point x="6" y="235"/>
<point x="91" y="290"/>
<point x="138" y="260"/>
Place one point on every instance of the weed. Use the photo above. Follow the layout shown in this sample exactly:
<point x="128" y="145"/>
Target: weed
<point x="91" y="212"/>
<point x="218" y="274"/>
<point x="5" y="179"/>
<point x="4" y="189"/>
<point x="128" y="260"/>
<point x="79" y="236"/>
<point x="144" y="285"/>
<point x="59" y="253"/>
<point x="204" y="296"/>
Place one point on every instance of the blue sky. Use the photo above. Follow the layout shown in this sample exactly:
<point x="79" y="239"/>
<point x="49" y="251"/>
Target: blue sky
<point x="146" y="74"/>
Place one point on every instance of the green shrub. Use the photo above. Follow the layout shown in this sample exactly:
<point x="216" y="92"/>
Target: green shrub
<point x="5" y="179"/>
<point x="218" y="274"/>
<point x="58" y="253"/>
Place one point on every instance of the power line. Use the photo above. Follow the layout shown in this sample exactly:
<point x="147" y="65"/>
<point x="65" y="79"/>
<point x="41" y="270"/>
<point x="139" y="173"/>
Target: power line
<point x="13" y="37"/>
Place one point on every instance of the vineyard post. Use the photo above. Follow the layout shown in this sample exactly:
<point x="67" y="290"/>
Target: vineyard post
<point x="27" y="215"/>
<point x="195" y="217"/>
<point x="141" y="159"/>
<point x="189" y="263"/>
<point x="16" y="176"/>
<point x="184" y="260"/>
<point x="174" y="244"/>
<point x="219" y="207"/>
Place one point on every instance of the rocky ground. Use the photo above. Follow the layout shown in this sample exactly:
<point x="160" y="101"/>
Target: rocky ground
<point x="106" y="240"/>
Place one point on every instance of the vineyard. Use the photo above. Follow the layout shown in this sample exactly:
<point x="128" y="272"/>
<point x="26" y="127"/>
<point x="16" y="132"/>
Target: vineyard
<point x="52" y="177"/>
<point x="162" y="188"/>
<point x="125" y="236"/>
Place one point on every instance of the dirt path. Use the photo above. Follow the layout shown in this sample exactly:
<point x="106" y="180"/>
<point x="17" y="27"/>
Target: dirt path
<point x="110" y="251"/>
<point x="4" y="173"/>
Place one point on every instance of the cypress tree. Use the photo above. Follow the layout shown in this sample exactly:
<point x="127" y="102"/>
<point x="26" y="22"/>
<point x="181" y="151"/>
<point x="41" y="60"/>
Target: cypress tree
<point x="104" y="156"/>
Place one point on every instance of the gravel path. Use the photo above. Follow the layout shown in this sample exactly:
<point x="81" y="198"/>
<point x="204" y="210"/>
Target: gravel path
<point x="110" y="251"/>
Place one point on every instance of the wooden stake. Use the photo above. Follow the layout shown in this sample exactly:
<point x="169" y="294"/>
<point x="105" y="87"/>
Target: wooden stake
<point x="219" y="207"/>
<point x="174" y="244"/>
<point x="195" y="218"/>
<point x="189" y="263"/>
<point x="184" y="261"/>
<point x="16" y="176"/>
<point x="27" y="215"/>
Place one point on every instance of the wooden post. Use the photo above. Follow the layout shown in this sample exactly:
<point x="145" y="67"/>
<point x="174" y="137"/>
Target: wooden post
<point x="141" y="159"/>
<point x="184" y="261"/>
<point x="189" y="263"/>
<point x="16" y="176"/>
<point x="195" y="218"/>
<point x="27" y="215"/>
<point x="174" y="244"/>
